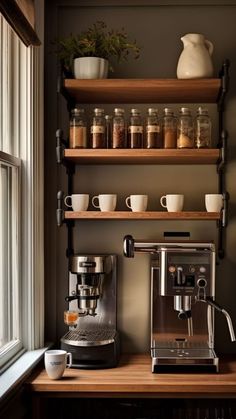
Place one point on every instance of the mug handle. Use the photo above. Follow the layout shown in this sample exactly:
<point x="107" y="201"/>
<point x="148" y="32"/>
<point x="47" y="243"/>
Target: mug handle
<point x="161" y="201"/>
<point x="93" y="199"/>
<point x="69" y="364"/>
<point x="127" y="202"/>
<point x="66" y="203"/>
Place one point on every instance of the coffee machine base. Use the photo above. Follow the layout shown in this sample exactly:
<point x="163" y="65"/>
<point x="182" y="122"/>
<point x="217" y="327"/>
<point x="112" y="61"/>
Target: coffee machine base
<point x="166" y="360"/>
<point x="94" y="356"/>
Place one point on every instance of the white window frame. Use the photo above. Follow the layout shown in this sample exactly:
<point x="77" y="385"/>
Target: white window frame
<point x="27" y="120"/>
<point x="12" y="324"/>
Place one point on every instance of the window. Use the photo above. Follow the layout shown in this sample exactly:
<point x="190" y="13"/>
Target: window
<point x="21" y="197"/>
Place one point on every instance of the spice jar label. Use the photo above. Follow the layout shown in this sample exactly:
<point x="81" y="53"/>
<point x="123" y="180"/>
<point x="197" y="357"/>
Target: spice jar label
<point x="97" y="129"/>
<point x="152" y="128"/>
<point x="133" y="129"/>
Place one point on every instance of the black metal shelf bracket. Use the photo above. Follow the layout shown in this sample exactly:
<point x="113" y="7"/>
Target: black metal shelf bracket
<point x="60" y="216"/>
<point x="221" y="164"/>
<point x="60" y="146"/>
<point x="222" y="224"/>
<point x="223" y="158"/>
<point x="224" y="76"/>
<point x="60" y="211"/>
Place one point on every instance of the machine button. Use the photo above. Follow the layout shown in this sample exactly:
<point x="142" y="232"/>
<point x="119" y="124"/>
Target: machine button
<point x="171" y="268"/>
<point x="202" y="269"/>
<point x="192" y="269"/>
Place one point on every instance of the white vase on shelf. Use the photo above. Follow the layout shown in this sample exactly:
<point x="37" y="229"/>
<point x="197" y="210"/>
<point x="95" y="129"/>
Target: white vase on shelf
<point x="195" y="60"/>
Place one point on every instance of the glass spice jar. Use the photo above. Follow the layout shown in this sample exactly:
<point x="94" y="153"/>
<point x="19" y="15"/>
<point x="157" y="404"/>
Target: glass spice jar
<point x="169" y="129"/>
<point x="98" y="139"/>
<point x="185" y="129"/>
<point x="202" y="129"/>
<point x="108" y="130"/>
<point x="119" y="129"/>
<point x="78" y="129"/>
<point x="135" y="130"/>
<point x="153" y="131"/>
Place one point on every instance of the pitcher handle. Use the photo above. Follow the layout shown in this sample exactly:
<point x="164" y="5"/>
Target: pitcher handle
<point x="209" y="46"/>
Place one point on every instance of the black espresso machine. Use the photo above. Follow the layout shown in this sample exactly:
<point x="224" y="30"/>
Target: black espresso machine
<point x="182" y="304"/>
<point x="92" y="338"/>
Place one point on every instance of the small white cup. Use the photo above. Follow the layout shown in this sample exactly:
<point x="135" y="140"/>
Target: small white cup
<point x="78" y="202"/>
<point x="173" y="203"/>
<point x="106" y="202"/>
<point x="55" y="362"/>
<point x="214" y="202"/>
<point x="137" y="203"/>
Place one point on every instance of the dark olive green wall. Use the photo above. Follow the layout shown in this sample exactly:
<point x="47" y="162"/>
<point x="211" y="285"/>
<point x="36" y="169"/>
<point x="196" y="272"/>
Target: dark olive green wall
<point x="157" y="28"/>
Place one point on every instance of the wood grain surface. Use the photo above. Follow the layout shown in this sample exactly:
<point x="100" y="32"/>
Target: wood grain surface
<point x="143" y="156"/>
<point x="144" y="90"/>
<point x="133" y="377"/>
<point x="147" y="215"/>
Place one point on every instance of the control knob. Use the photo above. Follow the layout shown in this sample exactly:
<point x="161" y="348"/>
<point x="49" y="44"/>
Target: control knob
<point x="202" y="283"/>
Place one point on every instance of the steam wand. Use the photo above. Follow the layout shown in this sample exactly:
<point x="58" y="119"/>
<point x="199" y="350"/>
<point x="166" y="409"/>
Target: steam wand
<point x="212" y="303"/>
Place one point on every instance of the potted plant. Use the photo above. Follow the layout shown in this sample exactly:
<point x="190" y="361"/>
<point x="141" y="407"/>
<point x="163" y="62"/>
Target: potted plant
<point x="86" y="55"/>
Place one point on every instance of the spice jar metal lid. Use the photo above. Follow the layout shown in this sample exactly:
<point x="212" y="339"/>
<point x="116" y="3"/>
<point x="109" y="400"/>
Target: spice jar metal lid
<point x="202" y="111"/>
<point x="119" y="111"/>
<point x="77" y="111"/>
<point x="99" y="111"/>
<point x="185" y="111"/>
<point x="135" y="111"/>
<point x="168" y="111"/>
<point x="152" y="111"/>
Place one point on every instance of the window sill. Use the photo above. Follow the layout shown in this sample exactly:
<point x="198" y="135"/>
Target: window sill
<point x="18" y="371"/>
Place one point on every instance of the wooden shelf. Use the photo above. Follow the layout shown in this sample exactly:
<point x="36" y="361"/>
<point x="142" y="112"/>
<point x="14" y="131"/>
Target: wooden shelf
<point x="147" y="215"/>
<point x="143" y="90"/>
<point x="143" y="156"/>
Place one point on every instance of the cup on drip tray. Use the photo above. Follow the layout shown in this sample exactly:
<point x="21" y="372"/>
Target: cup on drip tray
<point x="71" y="317"/>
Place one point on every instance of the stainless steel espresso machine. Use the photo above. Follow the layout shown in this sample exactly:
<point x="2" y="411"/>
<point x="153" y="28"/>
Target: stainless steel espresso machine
<point x="92" y="337"/>
<point x="182" y="304"/>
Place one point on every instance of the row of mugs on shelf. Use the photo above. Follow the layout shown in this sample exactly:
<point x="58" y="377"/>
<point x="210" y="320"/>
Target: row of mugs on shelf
<point x="137" y="203"/>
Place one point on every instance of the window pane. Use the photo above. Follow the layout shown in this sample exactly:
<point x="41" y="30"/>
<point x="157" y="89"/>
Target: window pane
<point x="9" y="256"/>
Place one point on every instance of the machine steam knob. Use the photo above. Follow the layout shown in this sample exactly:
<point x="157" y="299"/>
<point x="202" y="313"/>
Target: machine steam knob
<point x="202" y="283"/>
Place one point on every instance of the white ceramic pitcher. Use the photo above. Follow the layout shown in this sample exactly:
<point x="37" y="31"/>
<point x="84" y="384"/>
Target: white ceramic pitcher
<point x="195" y="60"/>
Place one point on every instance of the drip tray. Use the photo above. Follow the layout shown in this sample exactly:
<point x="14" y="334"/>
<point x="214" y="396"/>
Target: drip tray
<point x="184" y="359"/>
<point x="89" y="337"/>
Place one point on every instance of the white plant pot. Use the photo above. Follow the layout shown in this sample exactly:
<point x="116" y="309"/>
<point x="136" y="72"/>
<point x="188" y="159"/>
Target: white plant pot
<point x="90" y="68"/>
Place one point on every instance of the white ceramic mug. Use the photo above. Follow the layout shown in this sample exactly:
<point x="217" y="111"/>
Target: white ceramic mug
<point x="106" y="202"/>
<point x="55" y="362"/>
<point x="78" y="202"/>
<point x="137" y="202"/>
<point x="173" y="203"/>
<point x="213" y="202"/>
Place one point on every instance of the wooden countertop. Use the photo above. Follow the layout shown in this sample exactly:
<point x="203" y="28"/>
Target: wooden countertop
<point x="133" y="377"/>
